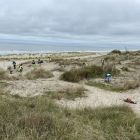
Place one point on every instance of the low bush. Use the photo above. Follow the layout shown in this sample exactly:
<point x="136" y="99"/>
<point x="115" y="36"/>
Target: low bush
<point x="75" y="75"/>
<point x="87" y="72"/>
<point x="116" y="52"/>
<point x="38" y="73"/>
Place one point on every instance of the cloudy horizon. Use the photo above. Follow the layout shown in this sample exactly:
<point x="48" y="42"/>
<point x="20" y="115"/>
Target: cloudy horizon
<point x="71" y="20"/>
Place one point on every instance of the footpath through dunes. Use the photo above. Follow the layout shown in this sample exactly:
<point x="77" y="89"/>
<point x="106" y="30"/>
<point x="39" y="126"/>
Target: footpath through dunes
<point x="102" y="98"/>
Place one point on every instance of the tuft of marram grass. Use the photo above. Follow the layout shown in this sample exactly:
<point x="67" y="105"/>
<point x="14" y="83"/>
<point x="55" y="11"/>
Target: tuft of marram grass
<point x="40" y="118"/>
<point x="38" y="73"/>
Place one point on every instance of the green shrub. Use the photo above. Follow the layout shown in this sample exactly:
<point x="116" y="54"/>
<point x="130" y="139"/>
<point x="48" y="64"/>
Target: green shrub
<point x="115" y="52"/>
<point x="75" y="75"/>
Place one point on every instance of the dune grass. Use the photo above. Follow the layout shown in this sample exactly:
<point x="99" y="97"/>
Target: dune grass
<point x="38" y="73"/>
<point x="87" y="72"/>
<point x="68" y="93"/>
<point x="75" y="75"/>
<point x="3" y="75"/>
<point x="106" y="86"/>
<point x="39" y="119"/>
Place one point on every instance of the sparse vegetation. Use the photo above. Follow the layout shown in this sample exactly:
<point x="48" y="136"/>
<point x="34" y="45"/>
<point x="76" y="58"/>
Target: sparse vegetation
<point x="3" y="75"/>
<point x="38" y="73"/>
<point x="68" y="93"/>
<point x="125" y="85"/>
<point x="125" y="68"/>
<point x="39" y="118"/>
<point x="132" y="83"/>
<point x="106" y="86"/>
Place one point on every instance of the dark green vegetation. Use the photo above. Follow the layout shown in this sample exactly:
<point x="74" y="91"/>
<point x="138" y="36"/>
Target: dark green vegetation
<point x="115" y="52"/>
<point x="70" y="94"/>
<point x="38" y="73"/>
<point x="87" y="72"/>
<point x="39" y="118"/>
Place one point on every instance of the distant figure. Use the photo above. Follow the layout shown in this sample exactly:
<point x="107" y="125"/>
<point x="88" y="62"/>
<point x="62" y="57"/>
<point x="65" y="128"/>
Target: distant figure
<point x="10" y="69"/>
<point x="33" y="64"/>
<point x="40" y="61"/>
<point x="103" y="62"/>
<point x="49" y="58"/>
<point x="14" y="64"/>
<point x="129" y="100"/>
<point x="20" y="68"/>
<point x="107" y="77"/>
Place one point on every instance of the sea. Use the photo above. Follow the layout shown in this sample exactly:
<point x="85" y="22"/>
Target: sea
<point x="22" y="48"/>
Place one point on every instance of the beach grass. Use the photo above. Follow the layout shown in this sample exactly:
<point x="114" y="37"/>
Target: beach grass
<point x="105" y="86"/>
<point x="87" y="72"/>
<point x="38" y="73"/>
<point x="68" y="93"/>
<point x="39" y="118"/>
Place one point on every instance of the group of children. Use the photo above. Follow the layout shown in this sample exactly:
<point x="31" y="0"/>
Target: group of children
<point x="20" y="67"/>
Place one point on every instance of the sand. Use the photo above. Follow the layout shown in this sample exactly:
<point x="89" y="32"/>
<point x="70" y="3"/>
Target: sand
<point x="95" y="97"/>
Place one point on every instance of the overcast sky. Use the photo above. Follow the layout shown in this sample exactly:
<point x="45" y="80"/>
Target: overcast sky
<point x="111" y="20"/>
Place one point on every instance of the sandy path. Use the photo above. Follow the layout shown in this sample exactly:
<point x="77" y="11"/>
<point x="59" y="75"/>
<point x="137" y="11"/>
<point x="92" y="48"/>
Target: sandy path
<point x="102" y="98"/>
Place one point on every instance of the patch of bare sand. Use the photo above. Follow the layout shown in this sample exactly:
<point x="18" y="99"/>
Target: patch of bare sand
<point x="102" y="98"/>
<point x="30" y="88"/>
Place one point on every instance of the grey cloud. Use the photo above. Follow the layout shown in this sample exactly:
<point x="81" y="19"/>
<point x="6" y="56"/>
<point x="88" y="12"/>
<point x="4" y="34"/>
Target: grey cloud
<point x="71" y="17"/>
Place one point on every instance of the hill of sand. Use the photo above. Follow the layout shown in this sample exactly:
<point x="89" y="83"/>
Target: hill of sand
<point x="95" y="97"/>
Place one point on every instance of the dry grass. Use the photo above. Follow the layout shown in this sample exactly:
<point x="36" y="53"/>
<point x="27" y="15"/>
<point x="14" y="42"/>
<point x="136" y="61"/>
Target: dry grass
<point x="38" y="73"/>
<point x="117" y="86"/>
<point x="75" y="75"/>
<point x="40" y="119"/>
<point x="87" y="72"/>
<point x="3" y="75"/>
<point x="68" y="93"/>
<point x="131" y="84"/>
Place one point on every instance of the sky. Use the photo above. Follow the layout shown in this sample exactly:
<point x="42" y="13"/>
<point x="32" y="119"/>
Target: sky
<point x="70" y="20"/>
